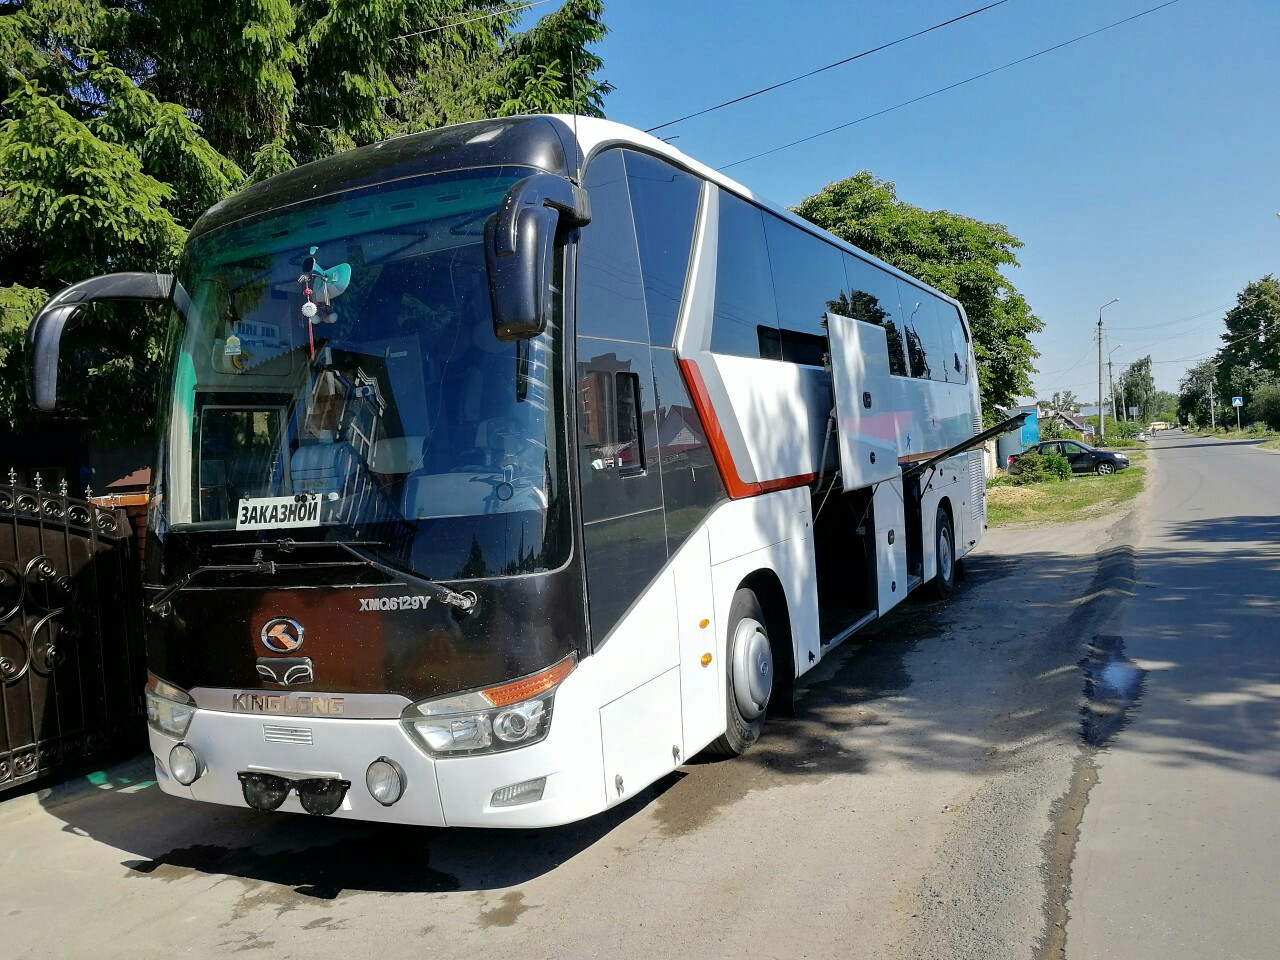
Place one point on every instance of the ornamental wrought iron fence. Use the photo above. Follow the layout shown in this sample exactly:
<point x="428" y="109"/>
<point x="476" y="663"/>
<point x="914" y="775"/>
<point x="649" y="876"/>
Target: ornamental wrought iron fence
<point x="72" y="660"/>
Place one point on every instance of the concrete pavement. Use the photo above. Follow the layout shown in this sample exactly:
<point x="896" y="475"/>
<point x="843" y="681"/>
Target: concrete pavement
<point x="1179" y="851"/>
<point x="909" y="811"/>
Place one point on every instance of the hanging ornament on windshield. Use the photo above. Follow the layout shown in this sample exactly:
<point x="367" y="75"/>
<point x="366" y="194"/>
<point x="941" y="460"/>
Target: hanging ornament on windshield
<point x="332" y="282"/>
<point x="231" y="346"/>
<point x="309" y="312"/>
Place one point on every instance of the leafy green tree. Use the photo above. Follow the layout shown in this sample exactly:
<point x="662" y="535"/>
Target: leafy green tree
<point x="1195" y="389"/>
<point x="547" y="70"/>
<point x="1062" y="401"/>
<point x="1264" y="405"/>
<point x="958" y="255"/>
<point x="1250" y="351"/>
<point x="122" y="120"/>
<point x="1164" y="406"/>
<point x="1137" y="388"/>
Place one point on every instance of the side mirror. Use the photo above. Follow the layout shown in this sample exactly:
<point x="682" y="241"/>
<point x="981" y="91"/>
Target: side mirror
<point x="519" y="250"/>
<point x="65" y="310"/>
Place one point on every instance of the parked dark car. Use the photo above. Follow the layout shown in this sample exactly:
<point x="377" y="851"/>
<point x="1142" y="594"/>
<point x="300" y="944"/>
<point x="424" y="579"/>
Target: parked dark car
<point x="1082" y="457"/>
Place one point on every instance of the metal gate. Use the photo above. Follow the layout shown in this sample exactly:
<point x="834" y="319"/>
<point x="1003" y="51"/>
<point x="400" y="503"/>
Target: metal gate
<point x="72" y="665"/>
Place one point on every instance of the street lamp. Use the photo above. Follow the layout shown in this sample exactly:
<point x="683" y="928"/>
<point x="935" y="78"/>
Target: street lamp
<point x="1102" y="422"/>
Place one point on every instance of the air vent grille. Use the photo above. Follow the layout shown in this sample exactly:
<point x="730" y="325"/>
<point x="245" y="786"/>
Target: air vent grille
<point x="977" y="485"/>
<point x="277" y="734"/>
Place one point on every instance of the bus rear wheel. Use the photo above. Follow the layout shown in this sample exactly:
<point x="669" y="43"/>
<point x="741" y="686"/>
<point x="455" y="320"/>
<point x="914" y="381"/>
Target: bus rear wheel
<point x="944" y="583"/>
<point x="749" y="676"/>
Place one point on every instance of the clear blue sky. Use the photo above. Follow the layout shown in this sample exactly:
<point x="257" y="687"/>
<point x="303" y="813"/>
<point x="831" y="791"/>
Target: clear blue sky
<point x="1143" y="163"/>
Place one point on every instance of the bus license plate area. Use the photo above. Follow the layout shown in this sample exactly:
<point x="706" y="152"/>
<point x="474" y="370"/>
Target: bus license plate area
<point x="321" y="796"/>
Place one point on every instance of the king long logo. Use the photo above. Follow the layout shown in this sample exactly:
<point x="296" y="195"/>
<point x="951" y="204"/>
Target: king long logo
<point x="282" y="635"/>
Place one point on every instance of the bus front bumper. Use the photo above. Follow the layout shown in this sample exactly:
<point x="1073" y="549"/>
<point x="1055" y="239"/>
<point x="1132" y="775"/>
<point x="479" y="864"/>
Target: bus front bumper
<point x="449" y="791"/>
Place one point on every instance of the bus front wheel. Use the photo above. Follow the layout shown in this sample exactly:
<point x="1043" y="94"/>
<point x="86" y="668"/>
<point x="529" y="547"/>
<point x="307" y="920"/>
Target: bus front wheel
<point x="749" y="675"/>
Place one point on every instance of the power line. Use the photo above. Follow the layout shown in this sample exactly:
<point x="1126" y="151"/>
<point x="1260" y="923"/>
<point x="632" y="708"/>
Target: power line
<point x="829" y="66"/>
<point x="1174" y="336"/>
<point x="1170" y="323"/>
<point x="1229" y="343"/>
<point x="1058" y="373"/>
<point x="496" y="12"/>
<point x="961" y="83"/>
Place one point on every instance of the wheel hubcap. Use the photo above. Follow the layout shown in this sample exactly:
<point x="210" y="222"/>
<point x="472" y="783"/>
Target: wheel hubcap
<point x="944" y="554"/>
<point x="752" y="668"/>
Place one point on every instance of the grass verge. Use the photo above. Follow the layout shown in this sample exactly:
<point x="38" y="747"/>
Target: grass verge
<point x="1238" y="435"/>
<point x="1270" y="445"/>
<point x="1079" y="498"/>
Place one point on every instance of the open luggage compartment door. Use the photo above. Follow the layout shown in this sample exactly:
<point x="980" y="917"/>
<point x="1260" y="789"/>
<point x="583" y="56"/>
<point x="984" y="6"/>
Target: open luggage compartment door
<point x="866" y="424"/>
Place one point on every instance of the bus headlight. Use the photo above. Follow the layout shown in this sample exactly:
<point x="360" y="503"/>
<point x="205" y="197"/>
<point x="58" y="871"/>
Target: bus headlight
<point x="512" y="715"/>
<point x="169" y="708"/>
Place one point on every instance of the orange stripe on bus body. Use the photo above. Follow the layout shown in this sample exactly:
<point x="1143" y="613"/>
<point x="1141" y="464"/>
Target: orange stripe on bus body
<point x="736" y="487"/>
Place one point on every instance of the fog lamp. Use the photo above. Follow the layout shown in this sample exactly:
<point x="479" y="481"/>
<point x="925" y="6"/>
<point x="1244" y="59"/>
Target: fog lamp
<point x="530" y="791"/>
<point x="184" y="765"/>
<point x="385" y="781"/>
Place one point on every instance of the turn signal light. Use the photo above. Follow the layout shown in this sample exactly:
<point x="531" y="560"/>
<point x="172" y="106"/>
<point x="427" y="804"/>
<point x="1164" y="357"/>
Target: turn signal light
<point x="527" y="687"/>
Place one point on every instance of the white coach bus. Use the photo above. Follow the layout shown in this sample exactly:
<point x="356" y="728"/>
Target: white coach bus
<point x="503" y="467"/>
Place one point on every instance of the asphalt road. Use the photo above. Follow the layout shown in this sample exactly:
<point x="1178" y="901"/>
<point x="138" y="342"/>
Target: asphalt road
<point x="924" y="803"/>
<point x="1179" y="851"/>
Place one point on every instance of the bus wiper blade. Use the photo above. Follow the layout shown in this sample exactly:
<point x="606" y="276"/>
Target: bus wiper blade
<point x="261" y="566"/>
<point x="463" y="601"/>
<point x="288" y="545"/>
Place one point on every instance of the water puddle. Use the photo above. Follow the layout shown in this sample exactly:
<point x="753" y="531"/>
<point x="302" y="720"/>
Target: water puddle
<point x="1112" y="687"/>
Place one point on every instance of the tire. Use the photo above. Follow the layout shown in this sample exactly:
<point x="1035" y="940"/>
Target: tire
<point x="944" y="582"/>
<point x="749" y="675"/>
<point x="1105" y="468"/>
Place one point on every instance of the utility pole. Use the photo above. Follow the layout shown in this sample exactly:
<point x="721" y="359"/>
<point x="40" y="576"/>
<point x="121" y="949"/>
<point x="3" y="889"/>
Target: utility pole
<point x="1102" y="421"/>
<point x="1213" y="386"/>
<point x="1111" y="385"/>
<point x="1102" y="427"/>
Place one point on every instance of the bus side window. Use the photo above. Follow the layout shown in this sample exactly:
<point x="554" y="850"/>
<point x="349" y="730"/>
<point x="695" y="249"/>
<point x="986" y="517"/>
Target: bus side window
<point x="807" y="276"/>
<point x="610" y="300"/>
<point x="958" y="369"/>
<point x="919" y="319"/>
<point x="941" y="327"/>
<point x="610" y="421"/>
<point x="936" y="343"/>
<point x="873" y="298"/>
<point x="665" y="202"/>
<point x="746" y="315"/>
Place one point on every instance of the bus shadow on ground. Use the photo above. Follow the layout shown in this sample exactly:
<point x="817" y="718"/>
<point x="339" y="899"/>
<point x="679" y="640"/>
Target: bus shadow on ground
<point x="312" y="858"/>
<point x="289" y="860"/>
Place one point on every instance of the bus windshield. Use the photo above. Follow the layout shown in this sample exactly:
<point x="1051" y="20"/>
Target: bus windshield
<point x="337" y="375"/>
